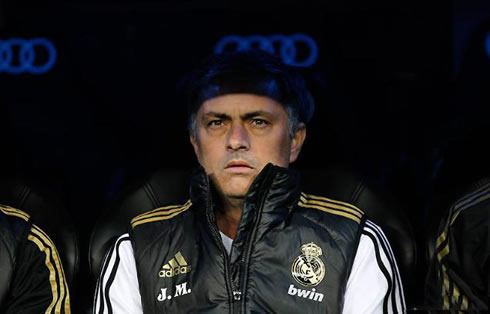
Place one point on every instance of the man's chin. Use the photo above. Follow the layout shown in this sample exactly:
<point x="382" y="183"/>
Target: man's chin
<point x="235" y="187"/>
<point x="235" y="194"/>
<point x="235" y="191"/>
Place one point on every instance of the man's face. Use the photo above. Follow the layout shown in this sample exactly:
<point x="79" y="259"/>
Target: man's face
<point x="237" y="135"/>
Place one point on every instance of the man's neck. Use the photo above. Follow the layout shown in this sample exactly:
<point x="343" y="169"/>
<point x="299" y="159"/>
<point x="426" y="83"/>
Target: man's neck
<point x="228" y="216"/>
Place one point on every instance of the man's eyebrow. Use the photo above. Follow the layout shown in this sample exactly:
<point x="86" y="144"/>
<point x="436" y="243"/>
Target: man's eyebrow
<point x="254" y="114"/>
<point x="213" y="114"/>
<point x="246" y="116"/>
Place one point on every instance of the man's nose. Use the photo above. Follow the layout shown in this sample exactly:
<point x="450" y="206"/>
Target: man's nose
<point x="237" y="138"/>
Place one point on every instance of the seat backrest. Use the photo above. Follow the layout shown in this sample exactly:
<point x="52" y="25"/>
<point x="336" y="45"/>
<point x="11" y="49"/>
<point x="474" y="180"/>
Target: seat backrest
<point x="162" y="187"/>
<point x="170" y="185"/>
<point x="9" y="239"/>
<point x="340" y="183"/>
<point x="47" y="213"/>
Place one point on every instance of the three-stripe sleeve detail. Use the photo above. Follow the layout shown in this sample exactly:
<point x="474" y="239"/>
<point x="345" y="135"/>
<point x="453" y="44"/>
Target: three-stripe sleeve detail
<point x="162" y="213"/>
<point x="111" y="264"/>
<point x="7" y="210"/>
<point x="450" y="291"/>
<point x="394" y="298"/>
<point x="331" y="206"/>
<point x="59" y="288"/>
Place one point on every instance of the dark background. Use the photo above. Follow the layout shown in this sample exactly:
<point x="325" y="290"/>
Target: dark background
<point x="401" y="93"/>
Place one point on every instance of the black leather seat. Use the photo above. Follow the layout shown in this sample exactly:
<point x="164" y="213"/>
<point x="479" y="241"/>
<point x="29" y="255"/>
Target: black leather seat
<point x="50" y="216"/>
<point x="169" y="185"/>
<point x="162" y="187"/>
<point x="342" y="184"/>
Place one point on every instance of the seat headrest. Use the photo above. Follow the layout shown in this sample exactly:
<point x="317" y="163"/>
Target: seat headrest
<point x="340" y="183"/>
<point x="162" y="187"/>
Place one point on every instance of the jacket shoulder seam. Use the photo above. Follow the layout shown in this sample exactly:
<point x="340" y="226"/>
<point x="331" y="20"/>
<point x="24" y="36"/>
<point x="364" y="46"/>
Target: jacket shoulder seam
<point x="11" y="211"/>
<point x="160" y="214"/>
<point x="331" y="206"/>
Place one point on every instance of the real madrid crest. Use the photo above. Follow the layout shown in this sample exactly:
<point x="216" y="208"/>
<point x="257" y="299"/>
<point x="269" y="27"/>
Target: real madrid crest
<point x="308" y="269"/>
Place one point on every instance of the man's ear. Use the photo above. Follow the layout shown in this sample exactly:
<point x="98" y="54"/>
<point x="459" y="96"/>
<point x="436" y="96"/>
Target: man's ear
<point x="297" y="142"/>
<point x="195" y="146"/>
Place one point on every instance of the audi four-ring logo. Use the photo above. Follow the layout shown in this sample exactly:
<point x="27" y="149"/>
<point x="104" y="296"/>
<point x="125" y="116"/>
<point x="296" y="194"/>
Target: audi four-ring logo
<point x="297" y="50"/>
<point x="36" y="55"/>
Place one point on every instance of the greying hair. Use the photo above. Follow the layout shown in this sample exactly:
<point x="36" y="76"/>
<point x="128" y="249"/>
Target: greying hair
<point x="293" y="123"/>
<point x="252" y="72"/>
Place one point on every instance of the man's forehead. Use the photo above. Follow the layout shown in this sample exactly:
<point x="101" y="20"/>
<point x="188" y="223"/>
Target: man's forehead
<point x="239" y="103"/>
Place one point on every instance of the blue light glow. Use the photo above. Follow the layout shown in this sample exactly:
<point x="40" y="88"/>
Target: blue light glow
<point x="487" y="44"/>
<point x="18" y="55"/>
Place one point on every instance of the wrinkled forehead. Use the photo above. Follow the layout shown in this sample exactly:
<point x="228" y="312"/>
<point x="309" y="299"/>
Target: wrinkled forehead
<point x="240" y="104"/>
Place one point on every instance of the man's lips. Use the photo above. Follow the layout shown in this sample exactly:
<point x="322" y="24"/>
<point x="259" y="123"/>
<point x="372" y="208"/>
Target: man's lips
<point x="238" y="166"/>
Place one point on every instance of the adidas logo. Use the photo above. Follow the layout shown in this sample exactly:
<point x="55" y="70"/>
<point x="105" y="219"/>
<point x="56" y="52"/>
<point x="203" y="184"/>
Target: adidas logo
<point x="176" y="266"/>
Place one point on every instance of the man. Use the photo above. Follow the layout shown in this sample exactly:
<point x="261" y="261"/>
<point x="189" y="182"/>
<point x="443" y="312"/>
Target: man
<point x="32" y="278"/>
<point x="249" y="240"/>
<point x="458" y="276"/>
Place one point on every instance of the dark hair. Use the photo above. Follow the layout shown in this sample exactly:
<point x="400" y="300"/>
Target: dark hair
<point x="253" y="72"/>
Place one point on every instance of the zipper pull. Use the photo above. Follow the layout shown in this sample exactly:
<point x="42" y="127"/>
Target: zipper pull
<point x="237" y="295"/>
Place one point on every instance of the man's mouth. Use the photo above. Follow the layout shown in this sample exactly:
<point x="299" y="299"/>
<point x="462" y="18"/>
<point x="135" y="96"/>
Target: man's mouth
<point x="238" y="166"/>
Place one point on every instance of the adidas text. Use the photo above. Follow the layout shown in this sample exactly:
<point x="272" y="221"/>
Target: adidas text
<point x="306" y="294"/>
<point x="175" y="271"/>
<point x="176" y="266"/>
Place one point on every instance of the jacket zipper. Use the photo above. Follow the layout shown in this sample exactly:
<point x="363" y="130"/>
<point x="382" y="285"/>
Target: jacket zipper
<point x="235" y="290"/>
<point x="234" y="294"/>
<point x="243" y="272"/>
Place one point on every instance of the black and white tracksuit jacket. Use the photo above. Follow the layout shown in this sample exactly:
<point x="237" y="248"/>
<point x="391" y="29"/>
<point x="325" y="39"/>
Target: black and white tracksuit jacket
<point x="32" y="279"/>
<point x="292" y="253"/>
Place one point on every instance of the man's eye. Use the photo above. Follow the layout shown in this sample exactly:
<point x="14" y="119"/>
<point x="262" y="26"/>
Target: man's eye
<point x="215" y="123"/>
<point x="259" y="122"/>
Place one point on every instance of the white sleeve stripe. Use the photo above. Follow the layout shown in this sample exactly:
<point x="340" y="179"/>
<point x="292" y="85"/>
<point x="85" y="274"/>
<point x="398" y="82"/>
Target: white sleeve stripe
<point x="387" y="248"/>
<point x="98" y="293"/>
<point x="99" y="298"/>
<point x="383" y="269"/>
<point x="396" y="292"/>
<point x="113" y="274"/>
<point x="388" y="307"/>
<point x="392" y="284"/>
<point x="97" y="287"/>
<point x="396" y="273"/>
<point x="382" y="238"/>
<point x="111" y="264"/>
